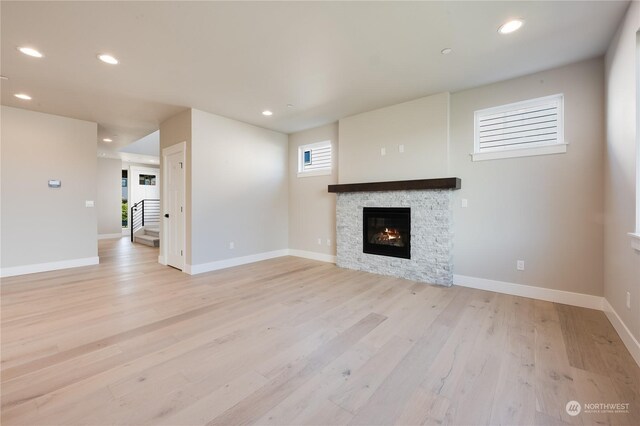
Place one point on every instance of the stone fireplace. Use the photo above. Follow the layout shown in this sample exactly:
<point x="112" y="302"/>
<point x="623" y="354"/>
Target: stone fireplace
<point x="401" y="228"/>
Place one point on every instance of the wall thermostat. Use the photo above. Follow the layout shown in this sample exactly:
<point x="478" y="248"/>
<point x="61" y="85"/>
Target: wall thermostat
<point x="55" y="184"/>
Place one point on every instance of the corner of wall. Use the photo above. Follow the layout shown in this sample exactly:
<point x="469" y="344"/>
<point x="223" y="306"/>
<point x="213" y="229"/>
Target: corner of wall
<point x="621" y="262"/>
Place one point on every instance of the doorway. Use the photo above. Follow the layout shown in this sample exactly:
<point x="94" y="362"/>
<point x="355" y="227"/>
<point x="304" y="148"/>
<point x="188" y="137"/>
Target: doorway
<point x="124" y="207"/>
<point x="173" y="221"/>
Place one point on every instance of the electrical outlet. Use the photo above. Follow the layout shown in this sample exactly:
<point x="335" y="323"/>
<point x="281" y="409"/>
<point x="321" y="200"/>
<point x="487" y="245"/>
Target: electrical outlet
<point x="464" y="203"/>
<point x="520" y="265"/>
<point x="628" y="300"/>
<point x="319" y="241"/>
<point x="89" y="203"/>
<point x="232" y="245"/>
<point x="328" y="241"/>
<point x="383" y="151"/>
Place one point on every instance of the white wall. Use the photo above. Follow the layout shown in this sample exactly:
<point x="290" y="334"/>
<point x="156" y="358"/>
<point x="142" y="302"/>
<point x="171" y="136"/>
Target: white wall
<point x="312" y="209"/>
<point x="42" y="225"/>
<point x="239" y="189"/>
<point x="138" y="192"/>
<point x="109" y="196"/>
<point x="622" y="264"/>
<point x="421" y="125"/>
<point x="545" y="210"/>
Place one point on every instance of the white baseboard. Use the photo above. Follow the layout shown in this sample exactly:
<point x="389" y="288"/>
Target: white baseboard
<point x="50" y="266"/>
<point x="629" y="341"/>
<point x="313" y="255"/>
<point x="125" y="231"/>
<point x="161" y="260"/>
<point x="236" y="261"/>
<point x="109" y="236"/>
<point x="541" y="293"/>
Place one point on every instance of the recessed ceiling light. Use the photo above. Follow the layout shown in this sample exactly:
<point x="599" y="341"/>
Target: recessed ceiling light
<point x="446" y="51"/>
<point x="267" y="112"/>
<point x="23" y="96"/>
<point x="289" y="105"/>
<point x="30" y="51"/>
<point x="107" y="140"/>
<point x="511" y="26"/>
<point x="108" y="59"/>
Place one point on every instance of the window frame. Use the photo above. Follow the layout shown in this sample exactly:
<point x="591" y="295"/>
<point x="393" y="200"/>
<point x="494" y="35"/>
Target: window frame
<point x="557" y="147"/>
<point x="301" y="159"/>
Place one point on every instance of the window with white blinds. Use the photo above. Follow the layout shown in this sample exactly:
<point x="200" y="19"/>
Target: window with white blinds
<point x="531" y="127"/>
<point x="314" y="159"/>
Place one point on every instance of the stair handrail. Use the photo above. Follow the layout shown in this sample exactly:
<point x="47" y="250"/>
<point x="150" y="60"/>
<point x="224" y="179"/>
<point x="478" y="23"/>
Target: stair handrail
<point x="139" y="215"/>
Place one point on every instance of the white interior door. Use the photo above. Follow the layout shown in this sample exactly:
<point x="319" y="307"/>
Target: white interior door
<point x="174" y="209"/>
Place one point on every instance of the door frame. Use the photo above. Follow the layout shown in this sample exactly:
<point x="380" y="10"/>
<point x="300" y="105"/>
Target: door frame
<point x="180" y="147"/>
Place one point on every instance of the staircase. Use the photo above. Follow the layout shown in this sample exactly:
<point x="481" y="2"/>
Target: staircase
<point x="145" y="222"/>
<point x="149" y="236"/>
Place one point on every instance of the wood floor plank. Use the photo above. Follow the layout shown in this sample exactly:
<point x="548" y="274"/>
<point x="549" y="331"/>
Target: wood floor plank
<point x="253" y="407"/>
<point x="474" y="394"/>
<point x="325" y="413"/>
<point x="554" y="385"/>
<point x="449" y="366"/>
<point x="357" y="391"/>
<point x="424" y="408"/>
<point x="215" y="403"/>
<point x="387" y="403"/>
<point x="312" y="395"/>
<point x="577" y="326"/>
<point x="514" y="401"/>
<point x="294" y="341"/>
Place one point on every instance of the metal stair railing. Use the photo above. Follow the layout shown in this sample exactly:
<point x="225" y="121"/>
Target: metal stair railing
<point x="144" y="213"/>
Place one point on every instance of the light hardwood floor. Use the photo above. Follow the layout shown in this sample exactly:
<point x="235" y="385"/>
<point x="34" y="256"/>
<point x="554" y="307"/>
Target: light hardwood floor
<point x="294" y="341"/>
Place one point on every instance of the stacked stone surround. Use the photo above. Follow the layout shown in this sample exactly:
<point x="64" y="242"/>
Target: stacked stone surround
<point x="431" y="234"/>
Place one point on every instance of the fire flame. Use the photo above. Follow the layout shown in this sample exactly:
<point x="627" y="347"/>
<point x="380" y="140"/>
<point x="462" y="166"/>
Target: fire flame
<point x="392" y="233"/>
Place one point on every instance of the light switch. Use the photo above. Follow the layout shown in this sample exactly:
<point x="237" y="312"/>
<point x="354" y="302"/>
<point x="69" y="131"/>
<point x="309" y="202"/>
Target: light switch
<point x="464" y="203"/>
<point x="89" y="203"/>
<point x="383" y="151"/>
<point x="400" y="148"/>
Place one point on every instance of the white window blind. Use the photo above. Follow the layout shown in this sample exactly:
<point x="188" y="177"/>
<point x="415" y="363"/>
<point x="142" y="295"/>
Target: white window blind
<point x="314" y="159"/>
<point x="523" y="125"/>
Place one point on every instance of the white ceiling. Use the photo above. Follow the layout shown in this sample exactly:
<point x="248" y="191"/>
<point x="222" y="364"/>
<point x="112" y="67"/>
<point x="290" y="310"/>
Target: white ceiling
<point x="328" y="59"/>
<point x="144" y="150"/>
<point x="148" y="145"/>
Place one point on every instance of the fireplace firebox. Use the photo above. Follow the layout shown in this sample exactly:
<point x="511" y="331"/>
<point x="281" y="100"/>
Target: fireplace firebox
<point x="387" y="231"/>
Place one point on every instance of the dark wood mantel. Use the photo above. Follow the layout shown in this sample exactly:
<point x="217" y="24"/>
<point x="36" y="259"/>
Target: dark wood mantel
<point x="398" y="185"/>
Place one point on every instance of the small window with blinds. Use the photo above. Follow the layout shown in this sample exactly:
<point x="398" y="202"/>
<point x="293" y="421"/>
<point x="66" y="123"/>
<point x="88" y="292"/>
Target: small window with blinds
<point x="532" y="127"/>
<point x="314" y="159"/>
